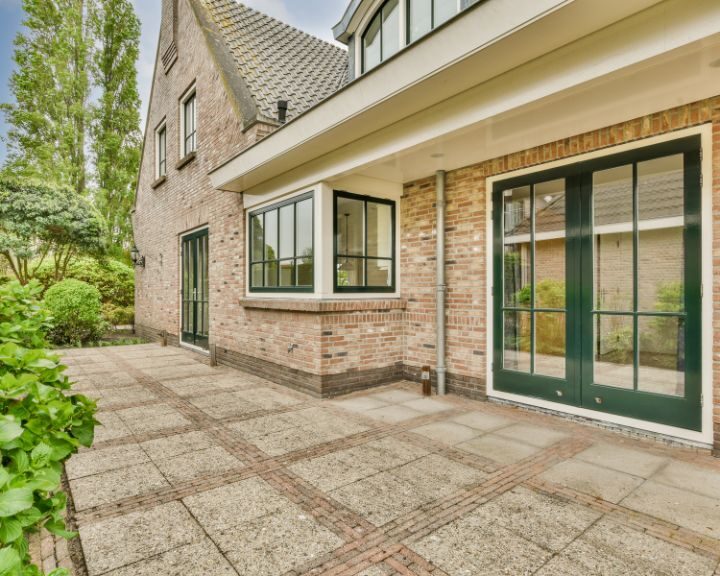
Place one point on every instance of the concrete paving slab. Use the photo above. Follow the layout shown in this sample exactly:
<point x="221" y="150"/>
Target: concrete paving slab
<point x="705" y="481"/>
<point x="533" y="435"/>
<point x="450" y="433"/>
<point x="201" y="558"/>
<point x="96" y="461"/>
<point x="635" y="462"/>
<point x="274" y="544"/>
<point x="499" y="449"/>
<point x="177" y="445"/>
<point x="191" y="465"/>
<point x="483" y="421"/>
<point x="117" y="542"/>
<point x="427" y="405"/>
<point x="589" y="479"/>
<point x="683" y="507"/>
<point x="609" y="548"/>
<point x="393" y="414"/>
<point x="234" y="504"/>
<point x="115" y="485"/>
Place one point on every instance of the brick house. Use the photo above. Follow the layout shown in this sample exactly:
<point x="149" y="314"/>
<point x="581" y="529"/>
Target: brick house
<point x="538" y="175"/>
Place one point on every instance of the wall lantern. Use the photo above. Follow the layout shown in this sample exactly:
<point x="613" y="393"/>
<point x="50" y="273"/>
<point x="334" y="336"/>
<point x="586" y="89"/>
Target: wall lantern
<point x="136" y="258"/>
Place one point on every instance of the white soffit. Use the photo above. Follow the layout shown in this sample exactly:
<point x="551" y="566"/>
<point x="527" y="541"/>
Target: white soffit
<point x="489" y="40"/>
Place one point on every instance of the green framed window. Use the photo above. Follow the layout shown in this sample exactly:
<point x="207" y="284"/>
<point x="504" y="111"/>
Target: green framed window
<point x="161" y="140"/>
<point x="381" y="38"/>
<point x="597" y="284"/>
<point x="282" y="246"/>
<point x="189" y="124"/>
<point x="364" y="243"/>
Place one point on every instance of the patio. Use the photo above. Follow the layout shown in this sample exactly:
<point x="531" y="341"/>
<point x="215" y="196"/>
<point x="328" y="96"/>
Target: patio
<point x="210" y="471"/>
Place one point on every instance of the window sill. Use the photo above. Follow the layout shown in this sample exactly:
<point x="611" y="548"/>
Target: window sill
<point x="159" y="182"/>
<point x="186" y="160"/>
<point x="307" y="305"/>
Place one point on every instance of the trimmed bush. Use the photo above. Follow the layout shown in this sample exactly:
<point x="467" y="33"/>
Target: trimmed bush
<point x="76" y="313"/>
<point x="41" y="425"/>
<point x="118" y="315"/>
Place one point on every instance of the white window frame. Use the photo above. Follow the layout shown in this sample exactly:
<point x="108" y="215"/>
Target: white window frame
<point x="158" y="131"/>
<point x="190" y="94"/>
<point x="323" y="225"/>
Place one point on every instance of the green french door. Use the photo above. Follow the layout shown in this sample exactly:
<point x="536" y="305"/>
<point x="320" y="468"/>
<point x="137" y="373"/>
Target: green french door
<point x="195" y="290"/>
<point x="597" y="284"/>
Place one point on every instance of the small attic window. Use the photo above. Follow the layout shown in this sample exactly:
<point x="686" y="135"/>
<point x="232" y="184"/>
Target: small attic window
<point x="188" y="123"/>
<point x="382" y="36"/>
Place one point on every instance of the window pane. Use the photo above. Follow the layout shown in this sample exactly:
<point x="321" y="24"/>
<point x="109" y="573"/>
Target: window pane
<point x="350" y="227"/>
<point x="662" y="355"/>
<point x="661" y="254"/>
<point x="287" y="273"/>
<point x="271" y="274"/>
<point x="271" y="235"/>
<point x="614" y="351"/>
<point x="444" y="10"/>
<point x="350" y="272"/>
<point x="379" y="273"/>
<point x="517" y="231"/>
<point x="256" y="240"/>
<point x="256" y="277"/>
<point x="550" y="244"/>
<point x="613" y="238"/>
<point x="517" y="341"/>
<point x="420" y="18"/>
<point x="304" y="229"/>
<point x="390" y="28"/>
<point x="305" y="272"/>
<point x="287" y="231"/>
<point x="371" y="44"/>
<point x="468" y="3"/>
<point x="379" y="230"/>
<point x="550" y="344"/>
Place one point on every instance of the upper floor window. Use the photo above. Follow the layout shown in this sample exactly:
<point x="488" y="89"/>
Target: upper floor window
<point x="425" y="15"/>
<point x="281" y="246"/>
<point x="161" y="151"/>
<point x="382" y="36"/>
<point x="188" y="123"/>
<point x="364" y="244"/>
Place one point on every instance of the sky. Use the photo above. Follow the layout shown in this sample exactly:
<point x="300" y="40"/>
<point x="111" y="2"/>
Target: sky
<point x="314" y="16"/>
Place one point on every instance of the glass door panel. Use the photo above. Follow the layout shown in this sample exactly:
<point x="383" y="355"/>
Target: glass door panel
<point x="597" y="284"/>
<point x="195" y="290"/>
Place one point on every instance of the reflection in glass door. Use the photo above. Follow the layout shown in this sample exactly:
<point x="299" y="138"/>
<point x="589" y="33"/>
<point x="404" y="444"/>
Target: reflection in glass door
<point x="598" y="268"/>
<point x="195" y="290"/>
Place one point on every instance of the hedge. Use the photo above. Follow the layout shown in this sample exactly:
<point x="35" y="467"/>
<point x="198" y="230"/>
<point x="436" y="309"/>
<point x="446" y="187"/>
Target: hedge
<point x="41" y="426"/>
<point x="76" y="313"/>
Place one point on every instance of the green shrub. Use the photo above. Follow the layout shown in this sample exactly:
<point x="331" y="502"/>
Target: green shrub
<point x="41" y="425"/>
<point x="114" y="279"/>
<point x="118" y="315"/>
<point x="76" y="312"/>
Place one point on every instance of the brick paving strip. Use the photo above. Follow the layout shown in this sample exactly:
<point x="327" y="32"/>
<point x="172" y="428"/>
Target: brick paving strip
<point x="366" y="544"/>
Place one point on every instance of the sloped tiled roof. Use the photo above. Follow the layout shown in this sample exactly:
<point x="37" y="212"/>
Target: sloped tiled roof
<point x="277" y="61"/>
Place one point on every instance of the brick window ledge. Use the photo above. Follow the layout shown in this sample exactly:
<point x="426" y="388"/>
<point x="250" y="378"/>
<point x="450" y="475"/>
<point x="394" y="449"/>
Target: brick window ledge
<point x="324" y="305"/>
<point x="159" y="182"/>
<point x="186" y="160"/>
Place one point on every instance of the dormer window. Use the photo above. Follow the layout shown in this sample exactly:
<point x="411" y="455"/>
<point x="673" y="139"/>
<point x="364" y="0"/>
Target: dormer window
<point x="425" y="15"/>
<point x="382" y="36"/>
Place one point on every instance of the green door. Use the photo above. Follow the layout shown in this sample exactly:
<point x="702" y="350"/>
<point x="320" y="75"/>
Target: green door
<point x="598" y="284"/>
<point x="195" y="290"/>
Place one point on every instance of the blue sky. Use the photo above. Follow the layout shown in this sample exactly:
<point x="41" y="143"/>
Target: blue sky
<point x="314" y="16"/>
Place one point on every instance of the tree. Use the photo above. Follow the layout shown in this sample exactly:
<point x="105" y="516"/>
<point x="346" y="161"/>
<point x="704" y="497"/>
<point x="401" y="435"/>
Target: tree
<point x="51" y="86"/>
<point x="116" y="137"/>
<point x="39" y="222"/>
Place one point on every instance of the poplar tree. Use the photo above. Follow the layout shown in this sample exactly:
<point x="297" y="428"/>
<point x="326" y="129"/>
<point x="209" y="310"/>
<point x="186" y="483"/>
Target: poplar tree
<point x="116" y="137"/>
<point x="51" y="85"/>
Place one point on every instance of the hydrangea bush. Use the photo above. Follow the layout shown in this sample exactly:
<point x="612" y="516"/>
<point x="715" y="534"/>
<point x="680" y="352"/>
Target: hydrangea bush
<point x="41" y="425"/>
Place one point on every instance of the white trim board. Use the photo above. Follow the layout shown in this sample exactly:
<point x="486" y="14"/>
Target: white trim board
<point x="705" y="437"/>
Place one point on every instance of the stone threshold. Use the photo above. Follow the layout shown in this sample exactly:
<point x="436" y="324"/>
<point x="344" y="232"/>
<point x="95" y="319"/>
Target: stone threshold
<point x="325" y="305"/>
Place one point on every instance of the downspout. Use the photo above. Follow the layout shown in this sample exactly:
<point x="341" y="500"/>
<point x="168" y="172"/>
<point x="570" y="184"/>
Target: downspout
<point x="441" y="287"/>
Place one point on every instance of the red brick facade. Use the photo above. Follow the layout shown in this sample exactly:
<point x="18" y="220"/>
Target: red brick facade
<point x="328" y="348"/>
